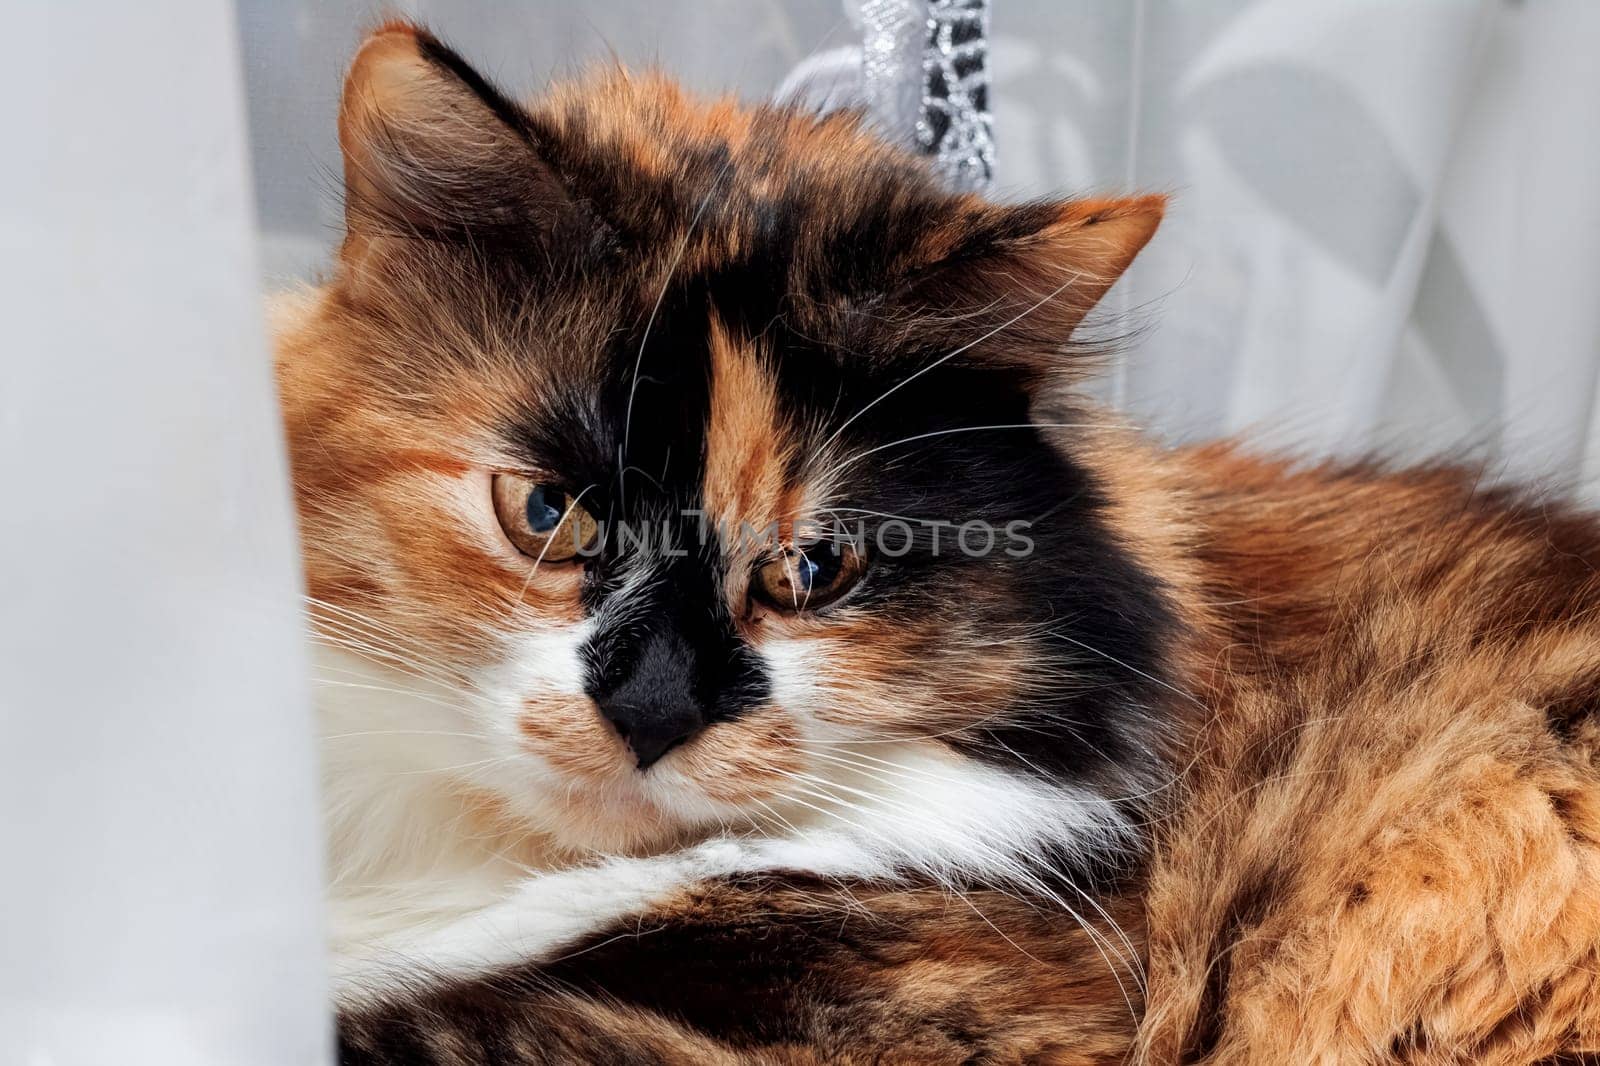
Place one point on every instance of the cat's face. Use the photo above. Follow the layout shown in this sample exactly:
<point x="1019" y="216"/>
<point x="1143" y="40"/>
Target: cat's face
<point x="682" y="453"/>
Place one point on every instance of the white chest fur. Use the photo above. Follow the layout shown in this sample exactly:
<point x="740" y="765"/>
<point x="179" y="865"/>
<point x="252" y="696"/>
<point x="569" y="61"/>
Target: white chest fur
<point x="424" y="879"/>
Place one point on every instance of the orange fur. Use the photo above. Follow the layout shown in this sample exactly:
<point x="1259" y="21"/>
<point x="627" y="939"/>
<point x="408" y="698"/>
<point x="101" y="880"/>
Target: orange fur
<point x="1385" y="847"/>
<point x="1381" y="839"/>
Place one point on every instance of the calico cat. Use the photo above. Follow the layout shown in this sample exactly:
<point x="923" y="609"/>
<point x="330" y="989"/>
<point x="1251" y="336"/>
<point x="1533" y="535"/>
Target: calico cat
<point x="739" y="644"/>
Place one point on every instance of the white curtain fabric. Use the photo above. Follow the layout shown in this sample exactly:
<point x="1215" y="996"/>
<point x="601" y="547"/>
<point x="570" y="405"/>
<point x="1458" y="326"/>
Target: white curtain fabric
<point x="159" y="853"/>
<point x="1384" y="229"/>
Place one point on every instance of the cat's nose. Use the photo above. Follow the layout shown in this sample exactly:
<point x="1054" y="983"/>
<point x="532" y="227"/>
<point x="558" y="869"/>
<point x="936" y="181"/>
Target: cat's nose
<point x="651" y="726"/>
<point x="653" y="705"/>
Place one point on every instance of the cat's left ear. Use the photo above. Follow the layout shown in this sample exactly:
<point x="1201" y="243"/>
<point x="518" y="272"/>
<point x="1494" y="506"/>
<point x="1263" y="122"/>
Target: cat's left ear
<point x="433" y="151"/>
<point x="1008" y="285"/>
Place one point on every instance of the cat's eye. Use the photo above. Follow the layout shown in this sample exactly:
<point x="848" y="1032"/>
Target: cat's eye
<point x="804" y="579"/>
<point x="542" y="520"/>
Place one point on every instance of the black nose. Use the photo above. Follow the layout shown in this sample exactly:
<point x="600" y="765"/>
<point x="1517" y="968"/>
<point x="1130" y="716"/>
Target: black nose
<point x="652" y="727"/>
<point x="654" y="707"/>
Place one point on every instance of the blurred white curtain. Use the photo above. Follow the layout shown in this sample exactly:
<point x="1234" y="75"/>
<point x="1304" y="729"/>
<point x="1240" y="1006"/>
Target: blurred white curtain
<point x="1384" y="231"/>
<point x="158" y="834"/>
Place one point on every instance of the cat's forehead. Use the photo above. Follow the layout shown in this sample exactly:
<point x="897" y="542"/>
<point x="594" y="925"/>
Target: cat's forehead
<point x="569" y="269"/>
<point x="746" y="243"/>
<point x="817" y="204"/>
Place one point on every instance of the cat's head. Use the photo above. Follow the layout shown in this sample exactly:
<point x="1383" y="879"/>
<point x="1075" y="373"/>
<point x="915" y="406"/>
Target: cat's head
<point x="691" y="459"/>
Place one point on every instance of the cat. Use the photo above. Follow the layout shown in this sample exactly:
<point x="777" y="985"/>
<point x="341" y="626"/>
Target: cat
<point x="738" y="642"/>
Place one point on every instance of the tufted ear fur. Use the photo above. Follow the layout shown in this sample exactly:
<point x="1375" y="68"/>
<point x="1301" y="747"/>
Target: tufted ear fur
<point x="432" y="151"/>
<point x="1009" y="284"/>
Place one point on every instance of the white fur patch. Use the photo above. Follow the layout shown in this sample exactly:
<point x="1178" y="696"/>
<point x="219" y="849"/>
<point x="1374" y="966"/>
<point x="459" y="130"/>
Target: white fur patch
<point x="943" y="817"/>
<point x="417" y="901"/>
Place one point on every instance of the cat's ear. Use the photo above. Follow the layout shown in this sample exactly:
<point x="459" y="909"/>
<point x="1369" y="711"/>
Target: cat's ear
<point x="432" y="150"/>
<point x="1008" y="285"/>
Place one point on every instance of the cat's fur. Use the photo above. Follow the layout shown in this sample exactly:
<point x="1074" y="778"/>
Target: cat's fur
<point x="1313" y="747"/>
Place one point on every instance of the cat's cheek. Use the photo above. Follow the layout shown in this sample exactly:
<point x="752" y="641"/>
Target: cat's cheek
<point x="739" y="764"/>
<point x="535" y="705"/>
<point x="793" y="666"/>
<point x="811" y="680"/>
<point x="568" y="735"/>
<point x="858" y="676"/>
<point x="542" y="662"/>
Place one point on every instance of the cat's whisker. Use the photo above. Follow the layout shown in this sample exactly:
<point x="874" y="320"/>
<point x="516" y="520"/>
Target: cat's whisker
<point x="1015" y="869"/>
<point x="827" y="786"/>
<point x="456" y="768"/>
<point x="903" y="382"/>
<point x="969" y="726"/>
<point x="865" y="764"/>
<point x="1130" y="962"/>
<point x="397" y="661"/>
<point x="1132" y="669"/>
<point x="566" y="515"/>
<point x="850" y="460"/>
<point x="403" y="733"/>
<point x="897" y="805"/>
<point x="324" y="612"/>
<point x="888" y="772"/>
<point x="366" y="675"/>
<point x="388" y="657"/>
<point x="352" y="634"/>
<point x="772" y="812"/>
<point x="350" y="613"/>
<point x="401" y="644"/>
<point x="389" y="690"/>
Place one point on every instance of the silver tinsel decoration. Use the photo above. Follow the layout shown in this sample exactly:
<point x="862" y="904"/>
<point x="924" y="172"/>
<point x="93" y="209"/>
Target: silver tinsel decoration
<point x="955" y="126"/>
<point x="921" y="73"/>
<point x="893" y="35"/>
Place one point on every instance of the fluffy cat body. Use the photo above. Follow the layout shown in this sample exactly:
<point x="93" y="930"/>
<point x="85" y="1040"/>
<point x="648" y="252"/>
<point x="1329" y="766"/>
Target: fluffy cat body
<point x="1248" y="761"/>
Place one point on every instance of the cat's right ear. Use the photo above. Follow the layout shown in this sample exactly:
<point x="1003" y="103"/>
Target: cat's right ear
<point x="432" y="151"/>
